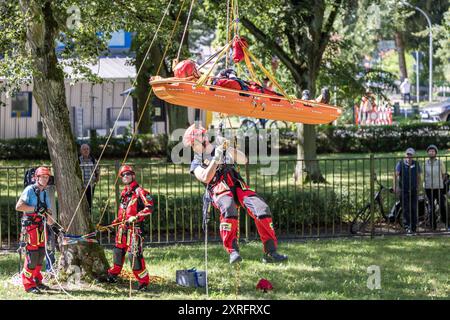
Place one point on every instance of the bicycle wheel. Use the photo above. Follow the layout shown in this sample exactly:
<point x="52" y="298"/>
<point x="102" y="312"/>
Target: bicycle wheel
<point x="361" y="221"/>
<point x="248" y="128"/>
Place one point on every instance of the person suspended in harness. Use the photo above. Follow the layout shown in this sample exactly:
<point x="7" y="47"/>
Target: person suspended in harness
<point x="36" y="207"/>
<point x="226" y="189"/>
<point x="136" y="204"/>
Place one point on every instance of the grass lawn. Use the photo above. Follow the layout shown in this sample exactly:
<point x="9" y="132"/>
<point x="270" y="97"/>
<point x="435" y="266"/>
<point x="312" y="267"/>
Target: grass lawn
<point x="411" y="268"/>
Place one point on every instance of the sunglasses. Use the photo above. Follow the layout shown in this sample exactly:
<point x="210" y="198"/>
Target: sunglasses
<point x="127" y="174"/>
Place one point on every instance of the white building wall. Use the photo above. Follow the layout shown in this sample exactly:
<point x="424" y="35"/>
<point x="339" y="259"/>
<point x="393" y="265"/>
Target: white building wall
<point x="77" y="95"/>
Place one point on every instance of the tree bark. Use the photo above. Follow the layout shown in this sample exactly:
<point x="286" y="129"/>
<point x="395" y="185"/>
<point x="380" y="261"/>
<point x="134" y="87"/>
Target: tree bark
<point x="307" y="167"/>
<point x="399" y="43"/>
<point x="49" y="93"/>
<point x="142" y="87"/>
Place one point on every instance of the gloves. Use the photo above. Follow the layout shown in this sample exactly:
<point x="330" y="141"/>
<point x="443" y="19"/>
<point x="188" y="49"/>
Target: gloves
<point x="131" y="219"/>
<point x="218" y="154"/>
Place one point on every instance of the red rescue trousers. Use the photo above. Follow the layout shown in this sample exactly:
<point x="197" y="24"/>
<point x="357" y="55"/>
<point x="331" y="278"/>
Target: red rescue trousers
<point x="131" y="241"/>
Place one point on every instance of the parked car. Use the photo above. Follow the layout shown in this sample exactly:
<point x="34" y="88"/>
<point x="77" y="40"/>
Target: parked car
<point x="436" y="112"/>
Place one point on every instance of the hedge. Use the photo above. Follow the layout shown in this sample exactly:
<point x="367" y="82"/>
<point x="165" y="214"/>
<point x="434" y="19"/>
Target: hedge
<point x="330" y="139"/>
<point x="36" y="148"/>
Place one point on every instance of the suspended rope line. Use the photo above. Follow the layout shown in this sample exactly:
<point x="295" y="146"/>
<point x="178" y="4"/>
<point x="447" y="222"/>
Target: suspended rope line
<point x="118" y="116"/>
<point x="133" y="251"/>
<point x="185" y="30"/>
<point x="211" y="57"/>
<point x="228" y="30"/>
<point x="168" y="45"/>
<point x="236" y="17"/>
<point x="205" y="76"/>
<point x="266" y="72"/>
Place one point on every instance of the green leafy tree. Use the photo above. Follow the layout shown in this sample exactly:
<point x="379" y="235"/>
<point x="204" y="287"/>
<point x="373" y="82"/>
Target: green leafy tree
<point x="29" y="30"/>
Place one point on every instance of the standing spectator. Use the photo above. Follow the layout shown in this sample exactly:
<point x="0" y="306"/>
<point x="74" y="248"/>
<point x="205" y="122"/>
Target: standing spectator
<point x="405" y="89"/>
<point x="87" y="164"/>
<point x="407" y="174"/>
<point x="434" y="186"/>
<point x="36" y="207"/>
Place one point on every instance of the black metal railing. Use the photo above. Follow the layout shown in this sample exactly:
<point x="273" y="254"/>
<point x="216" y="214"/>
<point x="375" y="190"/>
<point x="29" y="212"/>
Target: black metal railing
<point x="355" y="197"/>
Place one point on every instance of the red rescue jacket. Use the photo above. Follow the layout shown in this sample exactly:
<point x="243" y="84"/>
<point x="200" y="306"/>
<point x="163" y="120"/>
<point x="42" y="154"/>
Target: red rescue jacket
<point x="134" y="201"/>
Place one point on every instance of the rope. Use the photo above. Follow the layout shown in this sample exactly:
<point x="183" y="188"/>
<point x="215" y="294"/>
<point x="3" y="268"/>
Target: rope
<point x="206" y="256"/>
<point x="145" y="107"/>
<point x="205" y="76"/>
<point x="185" y="30"/>
<point x="211" y="57"/>
<point x="52" y="270"/>
<point x="126" y="275"/>
<point x="228" y="30"/>
<point x="118" y="116"/>
<point x="236" y="17"/>
<point x="238" y="265"/>
<point x="133" y="251"/>
<point x="266" y="72"/>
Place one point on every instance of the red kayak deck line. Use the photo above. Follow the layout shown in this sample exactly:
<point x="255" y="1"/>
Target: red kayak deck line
<point x="243" y="103"/>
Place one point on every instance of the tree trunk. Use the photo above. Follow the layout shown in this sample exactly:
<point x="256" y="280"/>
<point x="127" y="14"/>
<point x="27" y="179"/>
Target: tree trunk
<point x="49" y="92"/>
<point x="307" y="167"/>
<point x="399" y="43"/>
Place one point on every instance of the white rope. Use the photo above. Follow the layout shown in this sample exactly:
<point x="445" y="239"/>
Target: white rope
<point x="228" y="30"/>
<point x="185" y="29"/>
<point x="52" y="269"/>
<point x="206" y="256"/>
<point x="118" y="116"/>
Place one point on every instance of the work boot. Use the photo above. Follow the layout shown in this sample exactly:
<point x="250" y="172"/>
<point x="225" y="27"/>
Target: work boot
<point x="111" y="279"/>
<point x="34" y="290"/>
<point x="143" y="287"/>
<point x="273" y="257"/>
<point x="235" y="257"/>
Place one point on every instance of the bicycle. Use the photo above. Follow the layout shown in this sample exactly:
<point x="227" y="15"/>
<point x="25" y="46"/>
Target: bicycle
<point x="362" y="218"/>
<point x="249" y="126"/>
<point x="395" y="216"/>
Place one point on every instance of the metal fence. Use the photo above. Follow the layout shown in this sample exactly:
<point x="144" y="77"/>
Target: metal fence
<point x="348" y="202"/>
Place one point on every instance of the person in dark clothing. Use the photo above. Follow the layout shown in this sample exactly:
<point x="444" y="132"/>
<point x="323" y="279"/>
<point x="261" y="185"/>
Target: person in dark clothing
<point x="406" y="185"/>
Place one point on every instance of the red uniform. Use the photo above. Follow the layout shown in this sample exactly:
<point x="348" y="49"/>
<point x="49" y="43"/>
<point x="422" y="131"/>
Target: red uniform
<point x="33" y="235"/>
<point x="135" y="202"/>
<point x="227" y="190"/>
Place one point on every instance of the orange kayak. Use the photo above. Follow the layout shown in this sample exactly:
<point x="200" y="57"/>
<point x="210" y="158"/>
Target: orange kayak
<point x="183" y="92"/>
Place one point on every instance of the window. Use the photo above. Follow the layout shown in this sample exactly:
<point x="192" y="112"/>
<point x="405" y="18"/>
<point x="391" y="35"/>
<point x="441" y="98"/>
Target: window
<point x="21" y="105"/>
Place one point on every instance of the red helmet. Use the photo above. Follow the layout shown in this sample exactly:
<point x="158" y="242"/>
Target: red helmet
<point x="192" y="133"/>
<point x="125" y="168"/>
<point x="42" y="171"/>
<point x="185" y="69"/>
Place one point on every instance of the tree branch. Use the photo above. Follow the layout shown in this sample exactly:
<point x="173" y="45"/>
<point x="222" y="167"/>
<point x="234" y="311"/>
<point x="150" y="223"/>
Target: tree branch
<point x="326" y="32"/>
<point x="273" y="47"/>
